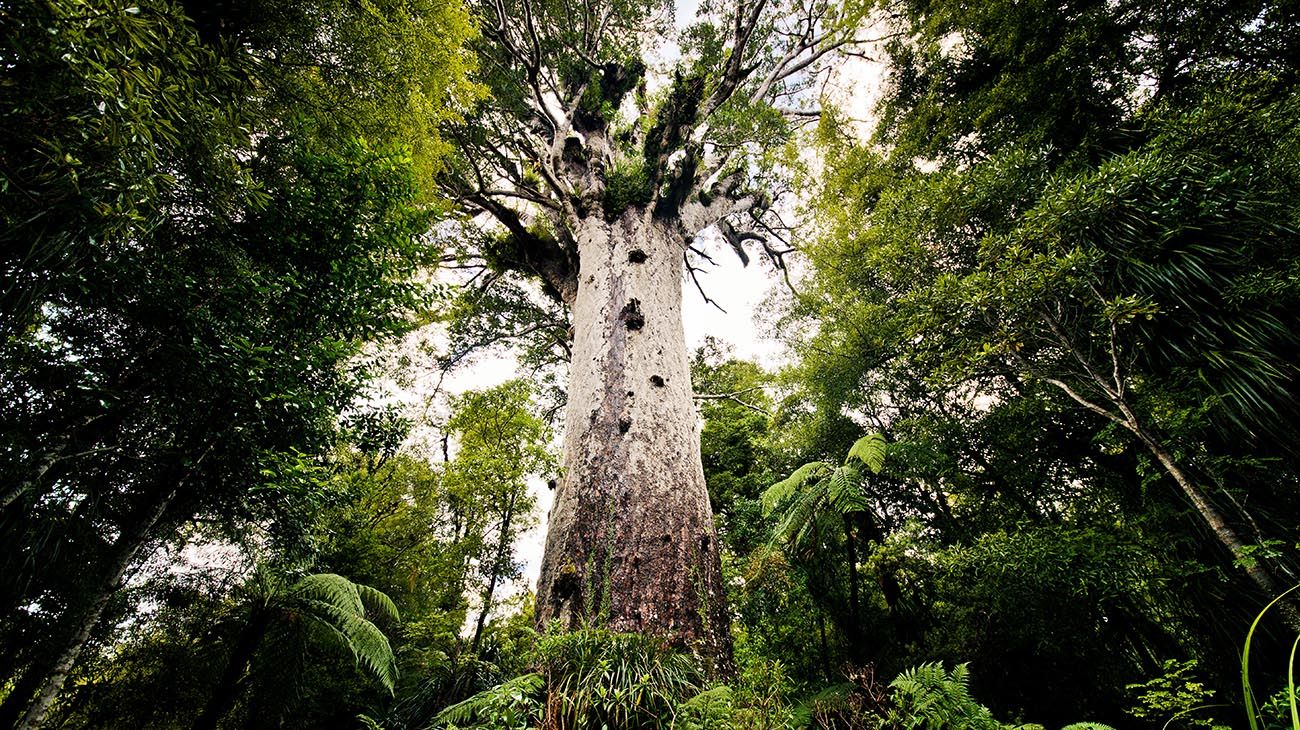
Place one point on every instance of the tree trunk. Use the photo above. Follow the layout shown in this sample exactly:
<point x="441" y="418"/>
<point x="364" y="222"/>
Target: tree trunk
<point x="231" y="683"/>
<point x="124" y="552"/>
<point x="631" y="543"/>
<point x="1224" y="532"/>
<point x="504" y="539"/>
<point x="825" y="648"/>
<point x="889" y="587"/>
<point x="851" y="555"/>
<point x="1210" y="515"/>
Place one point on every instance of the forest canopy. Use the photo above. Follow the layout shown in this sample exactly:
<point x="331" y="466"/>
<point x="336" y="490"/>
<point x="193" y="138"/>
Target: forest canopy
<point x="1029" y="460"/>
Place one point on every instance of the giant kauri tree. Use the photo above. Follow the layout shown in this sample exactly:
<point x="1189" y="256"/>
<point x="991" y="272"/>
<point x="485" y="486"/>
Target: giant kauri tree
<point x="596" y="183"/>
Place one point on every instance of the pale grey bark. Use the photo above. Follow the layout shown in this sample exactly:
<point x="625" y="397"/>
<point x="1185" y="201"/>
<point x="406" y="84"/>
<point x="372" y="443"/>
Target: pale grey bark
<point x="631" y="543"/>
<point x="124" y="553"/>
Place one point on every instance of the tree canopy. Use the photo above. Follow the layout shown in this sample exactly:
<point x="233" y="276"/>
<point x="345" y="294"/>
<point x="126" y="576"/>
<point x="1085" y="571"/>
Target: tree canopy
<point x="1029" y="463"/>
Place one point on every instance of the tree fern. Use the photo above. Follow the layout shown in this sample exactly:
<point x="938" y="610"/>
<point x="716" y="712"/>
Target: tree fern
<point x="805" y="495"/>
<point x="343" y="608"/>
<point x="354" y="632"/>
<point x="798" y="518"/>
<point x="279" y="624"/>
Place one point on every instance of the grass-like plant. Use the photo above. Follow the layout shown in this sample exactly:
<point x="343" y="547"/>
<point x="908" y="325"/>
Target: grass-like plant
<point x="589" y="680"/>
<point x="1248" y="695"/>
<point x="598" y="679"/>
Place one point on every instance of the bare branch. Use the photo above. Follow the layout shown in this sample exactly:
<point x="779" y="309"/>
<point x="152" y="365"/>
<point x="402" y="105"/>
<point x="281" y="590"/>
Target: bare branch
<point x="734" y="397"/>
<point x="691" y="270"/>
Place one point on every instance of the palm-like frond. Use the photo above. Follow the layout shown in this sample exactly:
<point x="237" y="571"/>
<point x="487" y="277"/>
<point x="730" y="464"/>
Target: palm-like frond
<point x="813" y="487"/>
<point x="378" y="604"/>
<point x="869" y="450"/>
<point x="354" y="632"/>
<point x="798" y="517"/>
<point x="844" y="490"/>
<point x="341" y="610"/>
<point x="777" y="494"/>
<point x="330" y="588"/>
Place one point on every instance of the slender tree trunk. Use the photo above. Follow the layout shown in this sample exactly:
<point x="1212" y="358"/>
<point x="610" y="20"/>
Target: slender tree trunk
<point x="1210" y="514"/>
<point x="78" y="628"/>
<point x="631" y="543"/>
<point x="231" y="684"/>
<point x="85" y="435"/>
<point x="851" y="555"/>
<point x="504" y="538"/>
<point x="825" y="648"/>
<point x="889" y="587"/>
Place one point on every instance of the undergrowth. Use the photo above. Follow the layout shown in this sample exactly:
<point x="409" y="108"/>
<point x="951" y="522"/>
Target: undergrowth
<point x="599" y="680"/>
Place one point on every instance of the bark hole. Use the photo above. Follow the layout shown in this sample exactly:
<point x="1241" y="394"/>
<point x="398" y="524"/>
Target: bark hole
<point x="704" y="542"/>
<point x="624" y="424"/>
<point x="657" y="381"/>
<point x="565" y="585"/>
<point x="667" y="539"/>
<point x="551" y="484"/>
<point x="573" y="150"/>
<point x="632" y="316"/>
<point x="636" y="256"/>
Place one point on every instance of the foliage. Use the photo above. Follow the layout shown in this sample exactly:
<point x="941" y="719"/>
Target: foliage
<point x="387" y="70"/>
<point x="280" y="622"/>
<point x="817" y="484"/>
<point x="1056" y="281"/>
<point x="1253" y="714"/>
<point x="1173" y="696"/>
<point x="589" y="679"/>
<point x="348" y="609"/>
<point x="595" y="678"/>
<point x="1039" y="280"/>
<point x="711" y="709"/>
<point x="626" y="184"/>
<point x="191" y="263"/>
<point x="513" y="704"/>
<point x="928" y="696"/>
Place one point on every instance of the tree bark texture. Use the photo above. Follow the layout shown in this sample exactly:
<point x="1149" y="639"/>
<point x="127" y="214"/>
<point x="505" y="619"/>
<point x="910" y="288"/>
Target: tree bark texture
<point x="631" y="543"/>
<point x="77" y="630"/>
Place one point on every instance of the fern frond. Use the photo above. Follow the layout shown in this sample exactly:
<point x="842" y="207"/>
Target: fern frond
<point x="777" y="494"/>
<point x="363" y="639"/>
<point x="844" y="490"/>
<point x="869" y="450"/>
<point x="378" y="603"/>
<point x="798" y="517"/>
<point x="330" y="588"/>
